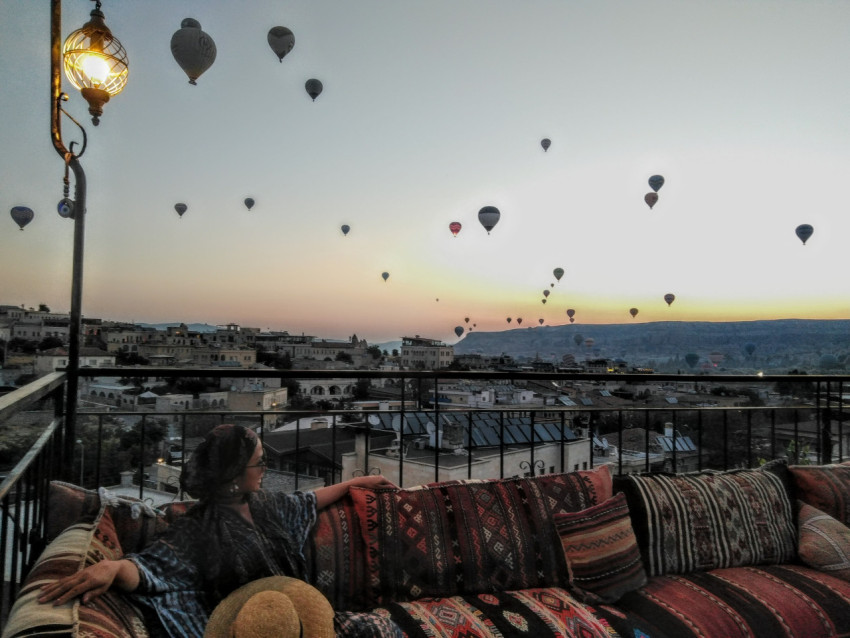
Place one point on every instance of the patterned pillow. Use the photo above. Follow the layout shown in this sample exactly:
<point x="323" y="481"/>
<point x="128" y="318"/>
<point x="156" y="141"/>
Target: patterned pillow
<point x="108" y="616"/>
<point x="601" y="551"/>
<point x="336" y="557"/>
<point x="826" y="487"/>
<point x="469" y="538"/>
<point x="701" y="521"/>
<point x="824" y="541"/>
<point x="68" y="504"/>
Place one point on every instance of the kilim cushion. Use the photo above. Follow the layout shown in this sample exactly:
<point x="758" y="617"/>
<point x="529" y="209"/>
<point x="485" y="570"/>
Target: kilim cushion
<point x="336" y="557"/>
<point x="700" y="521"/>
<point x="541" y="613"/>
<point x="826" y="487"/>
<point x="469" y="538"/>
<point x="777" y="601"/>
<point x="824" y="542"/>
<point x="68" y="504"/>
<point x="601" y="551"/>
<point x="108" y="616"/>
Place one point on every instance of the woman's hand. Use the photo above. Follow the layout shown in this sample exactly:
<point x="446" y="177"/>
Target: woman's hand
<point x="371" y="481"/>
<point x="91" y="582"/>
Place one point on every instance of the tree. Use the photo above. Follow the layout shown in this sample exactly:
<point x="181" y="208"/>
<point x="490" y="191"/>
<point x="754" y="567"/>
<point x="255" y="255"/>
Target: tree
<point x="344" y="357"/>
<point x="42" y="307"/>
<point x="49" y="343"/>
<point x="375" y="352"/>
<point x="361" y="389"/>
<point x="130" y="359"/>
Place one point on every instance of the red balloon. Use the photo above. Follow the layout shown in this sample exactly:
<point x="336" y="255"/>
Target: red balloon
<point x="455" y="228"/>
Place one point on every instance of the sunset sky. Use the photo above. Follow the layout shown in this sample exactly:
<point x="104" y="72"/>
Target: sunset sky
<point x="430" y="111"/>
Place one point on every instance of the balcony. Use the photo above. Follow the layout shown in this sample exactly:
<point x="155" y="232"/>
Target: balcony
<point x="423" y="426"/>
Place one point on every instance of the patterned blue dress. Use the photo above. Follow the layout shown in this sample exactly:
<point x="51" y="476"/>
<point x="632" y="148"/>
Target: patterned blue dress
<point x="212" y="550"/>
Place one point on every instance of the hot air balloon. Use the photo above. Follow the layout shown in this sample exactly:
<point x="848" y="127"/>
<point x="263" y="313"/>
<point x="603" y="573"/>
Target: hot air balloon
<point x="691" y="359"/>
<point x="345" y="228"/>
<point x="519" y="320"/>
<point x="669" y="298"/>
<point x="633" y="312"/>
<point x="656" y="182"/>
<point x="716" y="357"/>
<point x="578" y="339"/>
<point x="385" y="275"/>
<point x="651" y="199"/>
<point x="750" y="348"/>
<point x="804" y="231"/>
<point x="466" y="319"/>
<point x="193" y="49"/>
<point x="314" y="88"/>
<point x="180" y="208"/>
<point x="281" y="40"/>
<point x="249" y="203"/>
<point x="589" y="342"/>
<point x="455" y="228"/>
<point x="508" y="319"/>
<point x="545" y="143"/>
<point x="558" y="272"/>
<point x="540" y="321"/>
<point x="22" y="215"/>
<point x="458" y="330"/>
<point x="489" y="217"/>
<point x="545" y="293"/>
<point x="571" y="313"/>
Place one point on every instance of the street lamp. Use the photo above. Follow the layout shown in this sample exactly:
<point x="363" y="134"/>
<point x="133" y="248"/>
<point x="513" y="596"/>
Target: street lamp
<point x="95" y="63"/>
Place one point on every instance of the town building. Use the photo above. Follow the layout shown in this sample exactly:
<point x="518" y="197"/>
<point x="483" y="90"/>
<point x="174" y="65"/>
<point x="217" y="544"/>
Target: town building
<point x="426" y="354"/>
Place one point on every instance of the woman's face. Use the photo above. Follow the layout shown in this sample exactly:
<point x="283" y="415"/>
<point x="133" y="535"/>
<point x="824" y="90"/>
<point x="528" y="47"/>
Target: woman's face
<point x="252" y="478"/>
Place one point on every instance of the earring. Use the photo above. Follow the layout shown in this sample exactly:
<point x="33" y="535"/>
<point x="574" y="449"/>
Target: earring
<point x="234" y="489"/>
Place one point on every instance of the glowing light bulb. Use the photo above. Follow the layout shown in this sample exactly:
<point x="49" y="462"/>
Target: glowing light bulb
<point x="96" y="68"/>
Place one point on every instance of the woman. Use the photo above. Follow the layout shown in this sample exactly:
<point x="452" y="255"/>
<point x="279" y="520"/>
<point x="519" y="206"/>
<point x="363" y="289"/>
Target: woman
<point x="236" y="533"/>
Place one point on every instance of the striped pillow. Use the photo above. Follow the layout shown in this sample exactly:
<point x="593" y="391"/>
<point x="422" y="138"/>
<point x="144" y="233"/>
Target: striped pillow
<point x="701" y="521"/>
<point x="824" y="541"/>
<point x="601" y="551"/>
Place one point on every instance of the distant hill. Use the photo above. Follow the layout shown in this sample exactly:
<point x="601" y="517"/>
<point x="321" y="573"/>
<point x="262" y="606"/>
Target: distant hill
<point x="781" y="343"/>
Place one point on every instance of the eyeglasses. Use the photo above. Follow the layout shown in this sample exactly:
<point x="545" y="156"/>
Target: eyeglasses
<point x="261" y="463"/>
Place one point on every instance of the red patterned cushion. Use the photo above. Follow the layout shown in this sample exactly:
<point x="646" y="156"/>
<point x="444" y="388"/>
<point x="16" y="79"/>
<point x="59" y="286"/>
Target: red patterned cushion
<point x="601" y="551"/>
<point x="336" y="557"/>
<point x="531" y="612"/>
<point x="824" y="543"/>
<point x="701" y="521"/>
<point x="68" y="504"/>
<point x="826" y="487"/>
<point x="468" y="538"/>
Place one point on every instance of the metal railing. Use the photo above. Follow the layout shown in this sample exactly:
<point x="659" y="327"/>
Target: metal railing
<point x="493" y="439"/>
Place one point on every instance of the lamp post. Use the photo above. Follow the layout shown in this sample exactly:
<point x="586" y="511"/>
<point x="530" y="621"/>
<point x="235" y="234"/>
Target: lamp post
<point x="82" y="459"/>
<point x="95" y="63"/>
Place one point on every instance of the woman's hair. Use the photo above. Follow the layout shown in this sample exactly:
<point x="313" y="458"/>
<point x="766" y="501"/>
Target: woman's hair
<point x="218" y="461"/>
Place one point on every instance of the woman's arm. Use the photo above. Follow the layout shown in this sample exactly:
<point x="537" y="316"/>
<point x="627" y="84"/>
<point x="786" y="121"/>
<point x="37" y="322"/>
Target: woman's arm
<point x="92" y="581"/>
<point x="327" y="495"/>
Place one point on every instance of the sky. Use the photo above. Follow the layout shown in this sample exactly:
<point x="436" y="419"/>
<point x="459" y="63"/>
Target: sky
<point x="431" y="111"/>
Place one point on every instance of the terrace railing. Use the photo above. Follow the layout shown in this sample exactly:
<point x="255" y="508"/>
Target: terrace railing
<point x="492" y="438"/>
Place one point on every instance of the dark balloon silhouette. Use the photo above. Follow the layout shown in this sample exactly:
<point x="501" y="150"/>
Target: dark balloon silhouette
<point x="385" y="275"/>
<point x="669" y="298"/>
<point x="455" y="227"/>
<point x="193" y="49"/>
<point x="22" y="215"/>
<point x="458" y="330"/>
<point x="180" y="208"/>
<point x="489" y="217"/>
<point x="345" y="228"/>
<point x="558" y="272"/>
<point x="545" y="143"/>
<point x="314" y="88"/>
<point x="633" y="312"/>
<point x="651" y="199"/>
<point x="519" y="320"/>
<point x="804" y="231"/>
<point x="281" y="40"/>
<point x="691" y="359"/>
<point x="656" y="182"/>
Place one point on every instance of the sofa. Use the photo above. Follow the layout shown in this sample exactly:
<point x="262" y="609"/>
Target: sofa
<point x="751" y="552"/>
